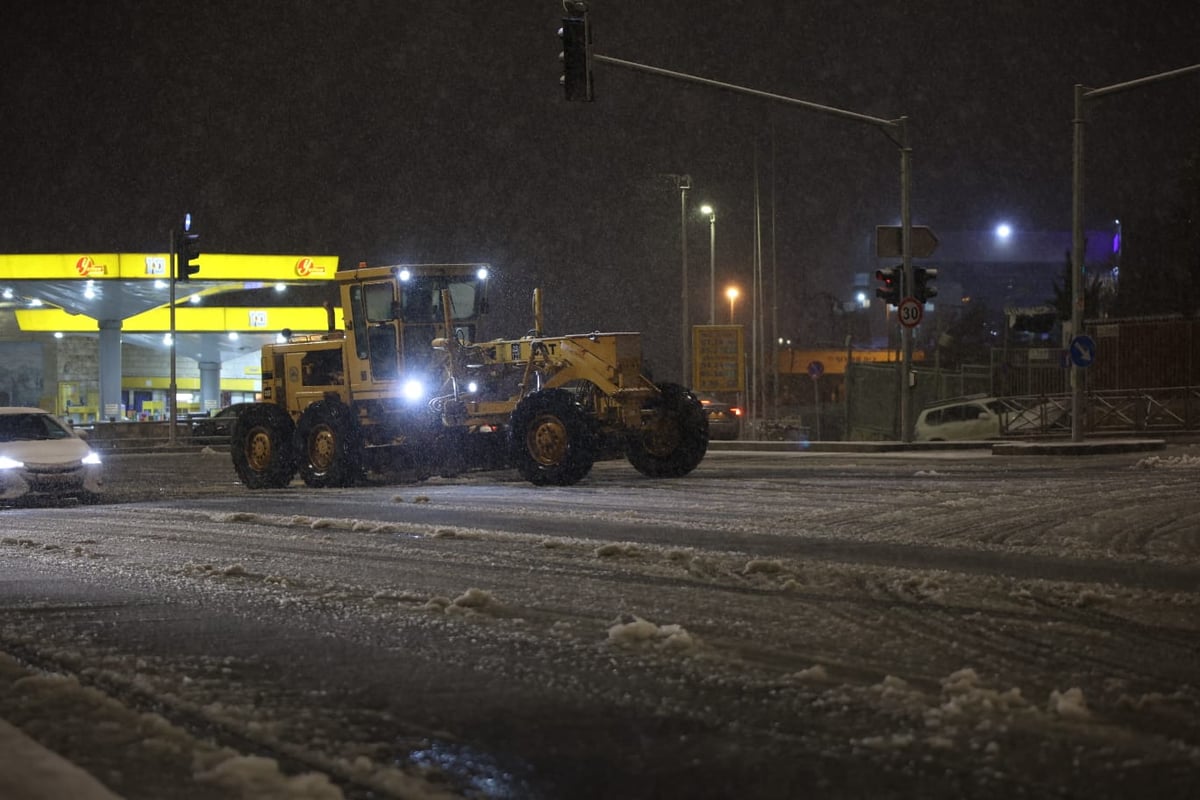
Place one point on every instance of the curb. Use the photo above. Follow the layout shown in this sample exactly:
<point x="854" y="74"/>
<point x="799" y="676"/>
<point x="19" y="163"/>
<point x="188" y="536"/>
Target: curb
<point x="1077" y="448"/>
<point x="1041" y="448"/>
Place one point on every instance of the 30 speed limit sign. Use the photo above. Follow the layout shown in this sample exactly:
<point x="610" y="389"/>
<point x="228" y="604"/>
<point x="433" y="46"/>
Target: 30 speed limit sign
<point x="910" y="312"/>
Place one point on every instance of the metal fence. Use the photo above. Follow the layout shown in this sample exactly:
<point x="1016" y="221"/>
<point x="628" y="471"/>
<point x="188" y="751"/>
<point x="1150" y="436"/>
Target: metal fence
<point x="1036" y="402"/>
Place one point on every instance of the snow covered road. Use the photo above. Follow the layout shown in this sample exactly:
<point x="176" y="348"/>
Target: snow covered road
<point x="775" y="625"/>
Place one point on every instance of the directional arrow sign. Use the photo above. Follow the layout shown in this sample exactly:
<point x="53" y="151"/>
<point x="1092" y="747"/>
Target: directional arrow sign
<point x="889" y="241"/>
<point x="1083" y="350"/>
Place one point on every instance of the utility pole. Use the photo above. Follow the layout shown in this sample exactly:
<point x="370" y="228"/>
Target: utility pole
<point x="684" y="183"/>
<point x="1077" y="264"/>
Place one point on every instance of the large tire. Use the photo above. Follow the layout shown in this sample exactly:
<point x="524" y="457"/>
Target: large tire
<point x="674" y="434"/>
<point x="551" y="439"/>
<point x="261" y="446"/>
<point x="327" y="445"/>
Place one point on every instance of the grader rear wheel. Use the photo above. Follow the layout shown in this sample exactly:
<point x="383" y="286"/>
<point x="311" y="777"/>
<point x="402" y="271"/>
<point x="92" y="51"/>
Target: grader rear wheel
<point x="326" y="443"/>
<point x="261" y="447"/>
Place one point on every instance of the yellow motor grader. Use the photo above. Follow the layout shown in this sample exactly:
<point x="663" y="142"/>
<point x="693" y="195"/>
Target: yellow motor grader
<point x="406" y="390"/>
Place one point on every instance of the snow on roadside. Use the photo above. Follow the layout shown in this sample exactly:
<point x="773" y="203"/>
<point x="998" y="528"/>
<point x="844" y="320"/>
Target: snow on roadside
<point x="1183" y="461"/>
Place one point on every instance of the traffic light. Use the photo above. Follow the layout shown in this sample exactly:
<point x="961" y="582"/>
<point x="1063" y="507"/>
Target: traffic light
<point x="187" y="251"/>
<point x="923" y="287"/>
<point x="576" y="54"/>
<point x="890" y="279"/>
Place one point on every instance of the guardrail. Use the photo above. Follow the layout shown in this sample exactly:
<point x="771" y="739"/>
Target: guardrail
<point x="1165" y="409"/>
<point x="117" y="436"/>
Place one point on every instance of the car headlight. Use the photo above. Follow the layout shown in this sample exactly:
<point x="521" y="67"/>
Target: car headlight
<point x="92" y="458"/>
<point x="9" y="463"/>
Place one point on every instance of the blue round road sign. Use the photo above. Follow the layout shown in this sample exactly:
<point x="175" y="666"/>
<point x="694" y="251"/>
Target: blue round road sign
<point x="1082" y="350"/>
<point x="815" y="369"/>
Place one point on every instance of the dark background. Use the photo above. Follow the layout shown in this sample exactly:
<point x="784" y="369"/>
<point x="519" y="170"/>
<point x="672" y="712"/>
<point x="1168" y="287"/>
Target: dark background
<point x="394" y="131"/>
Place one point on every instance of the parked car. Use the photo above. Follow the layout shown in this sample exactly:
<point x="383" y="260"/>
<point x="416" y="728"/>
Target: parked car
<point x="43" y="457"/>
<point x="982" y="417"/>
<point x="989" y="417"/>
<point x="219" y="427"/>
<point x="970" y="418"/>
<point x="724" y="419"/>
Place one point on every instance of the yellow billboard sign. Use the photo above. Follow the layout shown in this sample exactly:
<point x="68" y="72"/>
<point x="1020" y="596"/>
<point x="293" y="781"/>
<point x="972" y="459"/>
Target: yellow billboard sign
<point x="718" y="358"/>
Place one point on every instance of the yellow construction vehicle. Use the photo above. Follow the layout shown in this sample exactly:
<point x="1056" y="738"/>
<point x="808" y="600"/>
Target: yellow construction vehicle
<point x="406" y="390"/>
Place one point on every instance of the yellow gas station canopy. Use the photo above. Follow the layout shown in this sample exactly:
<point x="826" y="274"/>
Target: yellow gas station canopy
<point x="72" y="292"/>
<point x="156" y="266"/>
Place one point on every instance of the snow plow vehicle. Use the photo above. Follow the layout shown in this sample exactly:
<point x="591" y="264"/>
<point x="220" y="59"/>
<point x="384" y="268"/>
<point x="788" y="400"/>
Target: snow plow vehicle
<point x="405" y="390"/>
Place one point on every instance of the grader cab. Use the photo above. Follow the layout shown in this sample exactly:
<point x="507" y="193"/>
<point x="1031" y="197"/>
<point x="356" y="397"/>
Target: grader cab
<point x="407" y="390"/>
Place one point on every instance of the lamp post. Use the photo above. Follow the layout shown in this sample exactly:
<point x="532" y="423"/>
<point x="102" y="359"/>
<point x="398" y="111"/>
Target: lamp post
<point x="732" y="294"/>
<point x="683" y="183"/>
<point x="712" y="262"/>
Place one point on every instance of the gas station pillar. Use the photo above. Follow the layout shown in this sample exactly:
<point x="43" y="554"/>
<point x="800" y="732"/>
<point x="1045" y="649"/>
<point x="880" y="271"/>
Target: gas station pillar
<point x="110" y="369"/>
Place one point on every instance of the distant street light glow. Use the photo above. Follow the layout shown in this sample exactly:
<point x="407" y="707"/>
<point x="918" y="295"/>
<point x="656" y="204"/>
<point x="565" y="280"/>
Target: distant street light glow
<point x="1003" y="231"/>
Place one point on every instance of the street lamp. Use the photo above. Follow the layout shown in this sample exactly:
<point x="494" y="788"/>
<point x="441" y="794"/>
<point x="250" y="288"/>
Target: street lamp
<point x="712" y="262"/>
<point x="732" y="294"/>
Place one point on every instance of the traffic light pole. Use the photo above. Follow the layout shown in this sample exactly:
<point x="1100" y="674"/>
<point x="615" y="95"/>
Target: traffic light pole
<point x="906" y="332"/>
<point x="171" y="390"/>
<point x="894" y="129"/>
<point x="1077" y="244"/>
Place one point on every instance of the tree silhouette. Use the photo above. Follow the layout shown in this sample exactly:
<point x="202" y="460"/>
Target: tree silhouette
<point x="1098" y="296"/>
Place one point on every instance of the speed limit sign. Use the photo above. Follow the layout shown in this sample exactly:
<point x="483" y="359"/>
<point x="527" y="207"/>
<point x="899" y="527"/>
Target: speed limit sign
<point x="910" y="312"/>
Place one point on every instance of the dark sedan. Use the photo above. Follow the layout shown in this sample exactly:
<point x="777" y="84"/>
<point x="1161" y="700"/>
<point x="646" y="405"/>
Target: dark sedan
<point x="217" y="428"/>
<point x="724" y="419"/>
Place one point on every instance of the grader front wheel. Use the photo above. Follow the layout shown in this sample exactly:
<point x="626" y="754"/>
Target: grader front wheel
<point x="551" y="439"/>
<point x="674" y="434"/>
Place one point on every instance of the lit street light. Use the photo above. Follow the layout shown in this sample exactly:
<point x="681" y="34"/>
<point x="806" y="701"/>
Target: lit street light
<point x="732" y="294"/>
<point x="712" y="262"/>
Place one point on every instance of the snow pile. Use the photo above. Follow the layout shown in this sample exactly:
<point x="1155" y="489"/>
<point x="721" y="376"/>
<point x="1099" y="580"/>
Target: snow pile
<point x="616" y="549"/>
<point x="763" y="566"/>
<point x="1169" y="462"/>
<point x="1069" y="704"/>
<point x="964" y="694"/>
<point x="816" y="674"/>
<point x="260" y="778"/>
<point x="213" y="571"/>
<point x="472" y="601"/>
<point x="633" y="631"/>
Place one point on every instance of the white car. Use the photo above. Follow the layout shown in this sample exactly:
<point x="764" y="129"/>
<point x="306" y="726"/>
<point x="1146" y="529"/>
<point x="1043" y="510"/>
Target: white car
<point x="968" y="418"/>
<point x="982" y="417"/>
<point x="42" y="457"/>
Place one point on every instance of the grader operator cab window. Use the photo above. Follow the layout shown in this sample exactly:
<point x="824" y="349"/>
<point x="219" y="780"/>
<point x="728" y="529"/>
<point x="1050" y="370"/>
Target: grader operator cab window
<point x="376" y="305"/>
<point x="421" y="301"/>
<point x="379" y="297"/>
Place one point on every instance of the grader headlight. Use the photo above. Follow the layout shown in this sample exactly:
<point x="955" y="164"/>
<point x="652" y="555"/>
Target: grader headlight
<point x="413" y="390"/>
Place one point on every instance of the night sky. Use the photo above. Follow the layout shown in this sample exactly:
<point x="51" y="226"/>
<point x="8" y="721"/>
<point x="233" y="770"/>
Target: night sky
<point x="392" y="131"/>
